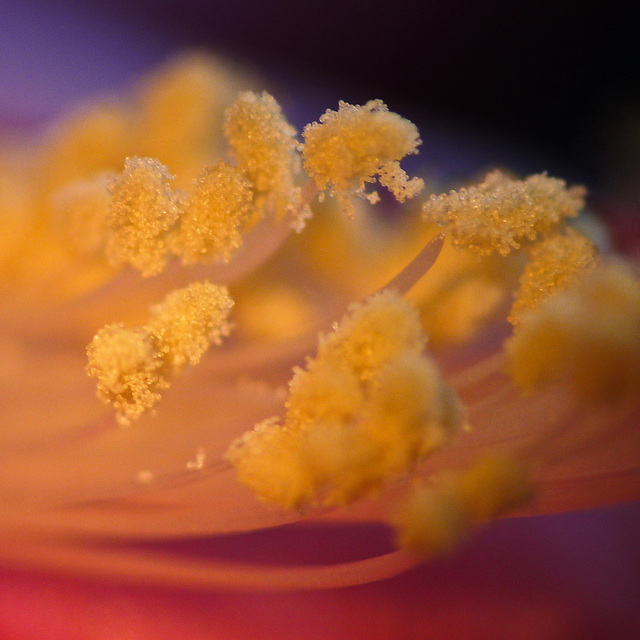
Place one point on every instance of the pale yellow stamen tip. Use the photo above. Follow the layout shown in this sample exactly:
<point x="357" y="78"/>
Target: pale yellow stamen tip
<point x="263" y="144"/>
<point x="351" y="146"/>
<point x="500" y="214"/>
<point x="555" y="264"/>
<point x="133" y="364"/>
<point x="188" y="321"/>
<point x="367" y="408"/>
<point x="129" y="370"/>
<point x="143" y="210"/>
<point x="435" y="519"/>
<point x="371" y="333"/>
<point x="587" y="336"/>
<point x="214" y="213"/>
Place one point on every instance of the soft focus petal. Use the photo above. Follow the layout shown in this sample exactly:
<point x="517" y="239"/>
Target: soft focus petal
<point x="567" y="577"/>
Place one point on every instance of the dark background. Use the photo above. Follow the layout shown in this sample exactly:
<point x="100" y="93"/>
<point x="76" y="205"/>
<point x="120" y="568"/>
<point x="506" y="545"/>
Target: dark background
<point x="561" y="78"/>
<point x="554" y="80"/>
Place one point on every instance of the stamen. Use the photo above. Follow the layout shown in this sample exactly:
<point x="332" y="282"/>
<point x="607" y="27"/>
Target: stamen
<point x="362" y="414"/>
<point x="143" y="210"/>
<point x="434" y="519"/>
<point x="555" y="264"/>
<point x="364" y="410"/>
<point x="214" y="213"/>
<point x="587" y="337"/>
<point x="165" y="569"/>
<point x="134" y="364"/>
<point x="500" y="214"/>
<point x="264" y="146"/>
<point x="348" y="147"/>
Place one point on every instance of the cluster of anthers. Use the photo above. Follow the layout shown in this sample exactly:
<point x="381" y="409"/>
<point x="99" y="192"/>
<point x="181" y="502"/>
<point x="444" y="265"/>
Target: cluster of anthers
<point x="367" y="414"/>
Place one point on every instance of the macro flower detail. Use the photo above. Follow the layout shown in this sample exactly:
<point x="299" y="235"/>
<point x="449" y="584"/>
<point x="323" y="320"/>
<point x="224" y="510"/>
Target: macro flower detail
<point x="410" y="413"/>
<point x="263" y="144"/>
<point x="587" y="336"/>
<point x="348" y="147"/>
<point x="555" y="264"/>
<point x="366" y="408"/>
<point x="436" y="518"/>
<point x="143" y="210"/>
<point x="505" y="212"/>
<point x="132" y="364"/>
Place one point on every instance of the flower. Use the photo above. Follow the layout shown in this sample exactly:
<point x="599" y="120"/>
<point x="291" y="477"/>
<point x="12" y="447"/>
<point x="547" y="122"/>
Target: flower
<point x="114" y="518"/>
<point x="368" y="411"/>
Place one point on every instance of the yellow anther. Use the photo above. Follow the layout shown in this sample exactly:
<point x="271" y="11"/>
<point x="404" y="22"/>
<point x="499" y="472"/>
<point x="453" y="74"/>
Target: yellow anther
<point x="269" y="459"/>
<point x="434" y="519"/>
<point x="587" y="336"/>
<point x="129" y="370"/>
<point x="556" y="264"/>
<point x="188" y="321"/>
<point x="264" y="146"/>
<point x="372" y="333"/>
<point x="499" y="214"/>
<point x="133" y="364"/>
<point x="368" y="407"/>
<point x="213" y="215"/>
<point x="351" y="146"/>
<point x="143" y="210"/>
<point x="324" y="392"/>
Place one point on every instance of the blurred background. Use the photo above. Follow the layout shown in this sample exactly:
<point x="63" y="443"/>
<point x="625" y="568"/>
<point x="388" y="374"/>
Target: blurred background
<point x="532" y="84"/>
<point x="556" y="80"/>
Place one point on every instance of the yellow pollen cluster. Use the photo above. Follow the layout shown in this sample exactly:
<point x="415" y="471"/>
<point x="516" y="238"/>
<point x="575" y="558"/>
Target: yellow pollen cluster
<point x="133" y="364"/>
<point x="129" y="370"/>
<point x="264" y="146"/>
<point x="434" y="519"/>
<point x="174" y="113"/>
<point x="214" y="212"/>
<point x="143" y="210"/>
<point x="556" y="263"/>
<point x="351" y="146"/>
<point x="500" y="214"/>
<point x="587" y="337"/>
<point x="367" y="408"/>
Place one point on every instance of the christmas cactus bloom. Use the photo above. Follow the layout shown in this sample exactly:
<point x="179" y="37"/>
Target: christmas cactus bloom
<point x="302" y="382"/>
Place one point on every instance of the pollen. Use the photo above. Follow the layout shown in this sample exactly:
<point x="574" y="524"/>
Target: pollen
<point x="134" y="364"/>
<point x="264" y="146"/>
<point x="129" y="370"/>
<point x="587" y="337"/>
<point x="367" y="408"/>
<point x="500" y="214"/>
<point x="214" y="212"/>
<point x="143" y="209"/>
<point x="435" y="518"/>
<point x="188" y="321"/>
<point x="373" y="332"/>
<point x="349" y="147"/>
<point x="555" y="264"/>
